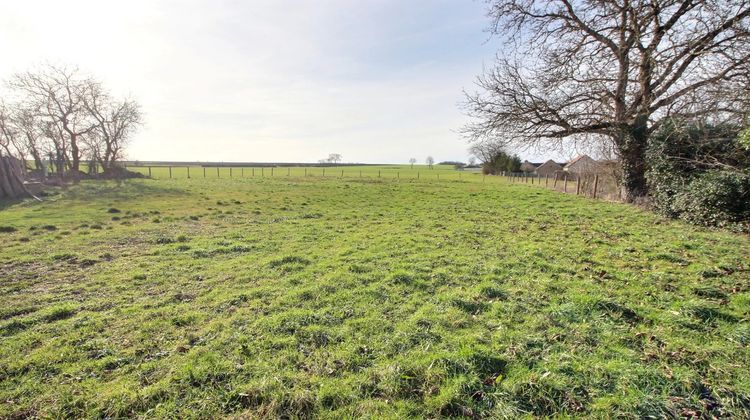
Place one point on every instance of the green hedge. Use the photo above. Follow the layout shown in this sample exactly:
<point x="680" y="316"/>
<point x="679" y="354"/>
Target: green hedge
<point x="700" y="175"/>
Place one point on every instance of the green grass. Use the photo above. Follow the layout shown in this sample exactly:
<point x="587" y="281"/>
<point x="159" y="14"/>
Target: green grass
<point x="421" y="172"/>
<point x="334" y="298"/>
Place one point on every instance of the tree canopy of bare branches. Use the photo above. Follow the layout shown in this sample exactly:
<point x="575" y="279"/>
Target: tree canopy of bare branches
<point x="611" y="70"/>
<point x="61" y="114"/>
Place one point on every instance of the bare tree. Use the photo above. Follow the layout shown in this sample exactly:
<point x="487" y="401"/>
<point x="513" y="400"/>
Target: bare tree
<point x="611" y="70"/>
<point x="57" y="93"/>
<point x="430" y="161"/>
<point x="30" y="131"/>
<point x="412" y="161"/>
<point x="114" y="123"/>
<point x="334" y="158"/>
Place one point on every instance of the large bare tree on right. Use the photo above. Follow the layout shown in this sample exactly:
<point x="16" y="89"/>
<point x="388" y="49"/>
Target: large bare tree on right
<point x="611" y="70"/>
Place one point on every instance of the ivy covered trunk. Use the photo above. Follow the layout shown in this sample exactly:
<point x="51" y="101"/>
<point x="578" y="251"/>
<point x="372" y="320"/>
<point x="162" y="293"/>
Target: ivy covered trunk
<point x="632" y="143"/>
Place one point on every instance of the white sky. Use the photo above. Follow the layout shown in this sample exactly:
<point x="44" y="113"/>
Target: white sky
<point x="378" y="81"/>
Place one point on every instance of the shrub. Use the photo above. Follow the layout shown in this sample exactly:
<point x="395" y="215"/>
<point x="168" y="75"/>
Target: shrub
<point x="716" y="198"/>
<point x="700" y="175"/>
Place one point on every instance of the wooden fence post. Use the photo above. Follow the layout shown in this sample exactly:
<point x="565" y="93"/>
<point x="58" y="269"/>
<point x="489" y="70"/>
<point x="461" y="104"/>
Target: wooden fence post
<point x="262" y="172"/>
<point x="342" y="173"/>
<point x="288" y="170"/>
<point x="378" y="173"/>
<point x="305" y="171"/>
<point x="252" y="172"/>
<point x="596" y="183"/>
<point x="149" y="172"/>
<point x="188" y="169"/>
<point x="546" y="181"/>
<point x="170" y="172"/>
<point x="242" y="172"/>
<point x="565" y="187"/>
<point x="554" y="184"/>
<point x="271" y="171"/>
<point x="204" y="172"/>
<point x="578" y="186"/>
<point x="217" y="173"/>
<point x="230" y="171"/>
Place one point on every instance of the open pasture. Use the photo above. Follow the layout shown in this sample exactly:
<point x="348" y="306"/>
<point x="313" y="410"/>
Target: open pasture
<point x="381" y="298"/>
<point x="417" y="172"/>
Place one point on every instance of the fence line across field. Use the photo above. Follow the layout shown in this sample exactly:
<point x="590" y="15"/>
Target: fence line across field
<point x="594" y="185"/>
<point x="177" y="171"/>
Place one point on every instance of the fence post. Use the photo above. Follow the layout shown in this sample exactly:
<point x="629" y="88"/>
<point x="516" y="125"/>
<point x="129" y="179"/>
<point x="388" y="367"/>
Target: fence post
<point x="596" y="183"/>
<point x="230" y="171"/>
<point x="262" y="172"/>
<point x="188" y="169"/>
<point x="218" y="175"/>
<point x="149" y="172"/>
<point x="242" y="172"/>
<point x="305" y="171"/>
<point x="398" y="175"/>
<point x="417" y="174"/>
<point x="554" y="184"/>
<point x="378" y="173"/>
<point x="170" y="172"/>
<point x="546" y="181"/>
<point x="565" y="188"/>
<point x="342" y="173"/>
<point x="253" y="172"/>
<point x="578" y="186"/>
<point x="204" y="172"/>
<point x="288" y="170"/>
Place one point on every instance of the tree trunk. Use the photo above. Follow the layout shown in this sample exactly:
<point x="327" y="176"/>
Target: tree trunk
<point x="632" y="147"/>
<point x="11" y="183"/>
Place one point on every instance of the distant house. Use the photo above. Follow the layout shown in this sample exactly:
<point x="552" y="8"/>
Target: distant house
<point x="582" y="164"/>
<point x="528" y="167"/>
<point x="548" y="168"/>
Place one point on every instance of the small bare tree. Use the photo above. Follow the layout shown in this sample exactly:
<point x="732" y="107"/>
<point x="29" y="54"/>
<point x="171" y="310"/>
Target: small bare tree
<point x="57" y="94"/>
<point x="611" y="70"/>
<point x="114" y="123"/>
<point x="430" y="161"/>
<point x="412" y="161"/>
<point x="335" y="158"/>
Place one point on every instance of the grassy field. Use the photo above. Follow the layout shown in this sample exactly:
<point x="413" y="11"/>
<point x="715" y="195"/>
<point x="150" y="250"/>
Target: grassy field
<point x="326" y="297"/>
<point x="420" y="172"/>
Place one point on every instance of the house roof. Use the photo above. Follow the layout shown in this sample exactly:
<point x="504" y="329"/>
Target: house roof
<point x="549" y="162"/>
<point x="576" y="159"/>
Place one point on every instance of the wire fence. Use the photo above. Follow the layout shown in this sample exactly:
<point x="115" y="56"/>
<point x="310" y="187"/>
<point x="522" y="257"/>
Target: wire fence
<point x="604" y="186"/>
<point x="231" y="172"/>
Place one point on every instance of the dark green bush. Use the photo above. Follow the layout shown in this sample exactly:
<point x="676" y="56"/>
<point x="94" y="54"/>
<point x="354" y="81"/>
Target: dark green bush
<point x="700" y="174"/>
<point x="716" y="198"/>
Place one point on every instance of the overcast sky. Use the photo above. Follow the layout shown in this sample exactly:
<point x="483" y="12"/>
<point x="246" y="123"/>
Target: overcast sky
<point x="377" y="81"/>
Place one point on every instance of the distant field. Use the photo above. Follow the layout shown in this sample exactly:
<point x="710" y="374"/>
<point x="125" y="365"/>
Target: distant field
<point x="364" y="297"/>
<point x="444" y="172"/>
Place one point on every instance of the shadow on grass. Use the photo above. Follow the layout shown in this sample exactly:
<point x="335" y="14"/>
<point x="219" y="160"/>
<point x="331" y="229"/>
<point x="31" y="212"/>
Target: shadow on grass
<point x="91" y="190"/>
